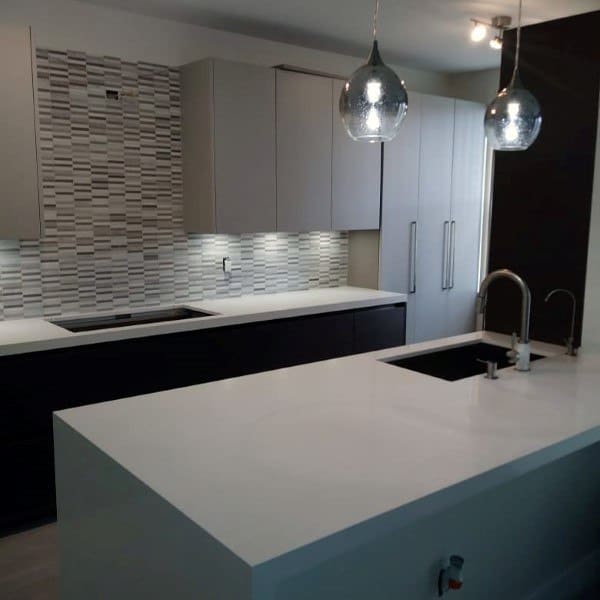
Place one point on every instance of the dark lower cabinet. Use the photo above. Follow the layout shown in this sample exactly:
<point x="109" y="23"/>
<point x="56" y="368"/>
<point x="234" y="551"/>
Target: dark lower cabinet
<point x="28" y="494"/>
<point x="378" y="328"/>
<point x="34" y="385"/>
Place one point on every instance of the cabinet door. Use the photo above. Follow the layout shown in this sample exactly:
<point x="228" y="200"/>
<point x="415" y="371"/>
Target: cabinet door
<point x="19" y="183"/>
<point x="467" y="200"/>
<point x="435" y="180"/>
<point x="28" y="496"/>
<point x="378" y="328"/>
<point x="399" y="208"/>
<point x="295" y="341"/>
<point x="356" y="176"/>
<point x="244" y="147"/>
<point x="304" y="122"/>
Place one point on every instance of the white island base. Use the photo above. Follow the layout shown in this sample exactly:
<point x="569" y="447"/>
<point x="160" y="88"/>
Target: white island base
<point x="347" y="479"/>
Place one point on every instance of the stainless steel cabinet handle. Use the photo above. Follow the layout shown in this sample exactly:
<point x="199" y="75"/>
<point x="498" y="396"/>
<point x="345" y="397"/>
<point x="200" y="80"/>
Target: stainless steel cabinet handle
<point x="452" y="254"/>
<point x="412" y="288"/>
<point x="445" y="256"/>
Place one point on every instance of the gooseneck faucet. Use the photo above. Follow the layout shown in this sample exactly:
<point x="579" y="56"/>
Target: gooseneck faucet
<point x="570" y="341"/>
<point x="521" y="353"/>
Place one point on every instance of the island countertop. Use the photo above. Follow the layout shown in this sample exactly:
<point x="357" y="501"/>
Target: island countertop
<point x="339" y="450"/>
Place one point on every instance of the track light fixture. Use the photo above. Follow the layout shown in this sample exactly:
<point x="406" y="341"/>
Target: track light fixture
<point x="496" y="43"/>
<point x="479" y="31"/>
<point x="481" y="28"/>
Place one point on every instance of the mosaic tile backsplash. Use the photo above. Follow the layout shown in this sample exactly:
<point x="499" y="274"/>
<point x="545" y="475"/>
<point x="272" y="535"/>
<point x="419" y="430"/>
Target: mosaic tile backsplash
<point x="113" y="206"/>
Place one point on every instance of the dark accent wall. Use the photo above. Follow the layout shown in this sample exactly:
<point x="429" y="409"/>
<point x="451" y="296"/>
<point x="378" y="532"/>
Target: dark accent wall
<point x="542" y="196"/>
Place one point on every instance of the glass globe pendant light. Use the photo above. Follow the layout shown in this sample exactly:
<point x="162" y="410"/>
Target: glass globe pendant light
<point x="373" y="101"/>
<point x="513" y="119"/>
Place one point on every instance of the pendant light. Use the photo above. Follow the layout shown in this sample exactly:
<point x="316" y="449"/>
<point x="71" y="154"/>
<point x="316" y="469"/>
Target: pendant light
<point x="373" y="101"/>
<point x="513" y="119"/>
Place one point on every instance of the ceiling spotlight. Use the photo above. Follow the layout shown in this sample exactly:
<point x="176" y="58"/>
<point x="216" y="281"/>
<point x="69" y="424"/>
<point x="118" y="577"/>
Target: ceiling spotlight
<point x="496" y="43"/>
<point x="478" y="32"/>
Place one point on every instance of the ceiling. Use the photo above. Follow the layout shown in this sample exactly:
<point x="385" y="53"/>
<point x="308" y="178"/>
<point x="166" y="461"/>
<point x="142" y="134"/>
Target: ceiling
<point x="427" y="34"/>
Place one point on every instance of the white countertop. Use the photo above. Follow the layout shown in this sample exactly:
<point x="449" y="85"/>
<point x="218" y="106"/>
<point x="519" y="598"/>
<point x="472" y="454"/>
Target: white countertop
<point x="32" y="335"/>
<point x="269" y="463"/>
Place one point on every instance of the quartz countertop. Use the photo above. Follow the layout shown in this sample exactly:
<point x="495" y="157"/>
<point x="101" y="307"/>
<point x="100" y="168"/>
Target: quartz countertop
<point x="337" y="451"/>
<point x="32" y="335"/>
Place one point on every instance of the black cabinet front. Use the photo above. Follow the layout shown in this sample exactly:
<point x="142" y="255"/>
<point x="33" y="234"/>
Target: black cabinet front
<point x="378" y="328"/>
<point x="36" y="384"/>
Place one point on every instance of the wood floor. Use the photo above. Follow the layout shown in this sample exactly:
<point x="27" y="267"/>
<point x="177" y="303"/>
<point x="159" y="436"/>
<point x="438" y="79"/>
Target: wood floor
<point x="29" y="565"/>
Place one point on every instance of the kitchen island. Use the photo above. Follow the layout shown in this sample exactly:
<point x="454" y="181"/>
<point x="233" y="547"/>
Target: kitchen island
<point x="347" y="478"/>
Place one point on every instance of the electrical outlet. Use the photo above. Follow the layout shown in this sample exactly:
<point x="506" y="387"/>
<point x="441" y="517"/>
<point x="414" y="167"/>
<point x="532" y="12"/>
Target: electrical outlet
<point x="226" y="264"/>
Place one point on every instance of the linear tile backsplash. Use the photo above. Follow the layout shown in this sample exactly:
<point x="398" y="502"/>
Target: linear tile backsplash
<point x="113" y="207"/>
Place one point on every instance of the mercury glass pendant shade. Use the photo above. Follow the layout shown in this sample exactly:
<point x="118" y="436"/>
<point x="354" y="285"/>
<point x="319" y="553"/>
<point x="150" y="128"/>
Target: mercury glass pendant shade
<point x="373" y="101"/>
<point x="513" y="119"/>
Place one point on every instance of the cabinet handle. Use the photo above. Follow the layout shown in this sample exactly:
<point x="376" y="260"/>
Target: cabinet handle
<point x="445" y="256"/>
<point x="452" y="253"/>
<point x="412" y="288"/>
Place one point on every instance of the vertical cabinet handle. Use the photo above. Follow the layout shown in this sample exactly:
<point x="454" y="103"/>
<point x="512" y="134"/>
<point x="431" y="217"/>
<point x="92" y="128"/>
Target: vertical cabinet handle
<point x="412" y="287"/>
<point x="451" y="255"/>
<point x="446" y="253"/>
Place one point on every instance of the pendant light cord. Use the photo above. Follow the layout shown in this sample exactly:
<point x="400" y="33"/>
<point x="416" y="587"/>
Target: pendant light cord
<point x="518" y="48"/>
<point x="375" y="19"/>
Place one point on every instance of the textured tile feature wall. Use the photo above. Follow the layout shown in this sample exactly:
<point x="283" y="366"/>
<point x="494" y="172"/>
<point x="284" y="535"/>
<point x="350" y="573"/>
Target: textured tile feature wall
<point x="113" y="209"/>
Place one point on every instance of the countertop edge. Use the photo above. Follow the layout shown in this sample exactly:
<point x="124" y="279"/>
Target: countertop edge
<point x="66" y="339"/>
<point x="361" y="533"/>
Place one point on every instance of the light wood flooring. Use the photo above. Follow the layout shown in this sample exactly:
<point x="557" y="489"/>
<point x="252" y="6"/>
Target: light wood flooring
<point x="29" y="565"/>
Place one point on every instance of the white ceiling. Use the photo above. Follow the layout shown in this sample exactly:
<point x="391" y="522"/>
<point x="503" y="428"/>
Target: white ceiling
<point x="427" y="34"/>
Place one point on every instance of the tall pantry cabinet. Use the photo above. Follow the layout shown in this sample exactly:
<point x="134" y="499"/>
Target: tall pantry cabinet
<point x="431" y="215"/>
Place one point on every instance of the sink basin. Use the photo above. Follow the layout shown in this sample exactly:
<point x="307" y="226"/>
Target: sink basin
<point x="456" y="363"/>
<point x="125" y="319"/>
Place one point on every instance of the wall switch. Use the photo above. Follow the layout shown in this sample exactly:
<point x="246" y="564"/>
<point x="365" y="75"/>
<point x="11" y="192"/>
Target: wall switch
<point x="226" y="264"/>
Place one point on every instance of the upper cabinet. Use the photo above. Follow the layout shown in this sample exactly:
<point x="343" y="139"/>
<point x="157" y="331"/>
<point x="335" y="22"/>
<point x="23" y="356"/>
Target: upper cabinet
<point x="304" y="144"/>
<point x="229" y="147"/>
<point x="265" y="150"/>
<point x="356" y="176"/>
<point x="19" y="178"/>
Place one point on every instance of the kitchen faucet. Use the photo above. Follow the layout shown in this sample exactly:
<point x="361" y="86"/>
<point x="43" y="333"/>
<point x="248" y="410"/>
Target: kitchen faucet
<point x="570" y="341"/>
<point x="520" y="353"/>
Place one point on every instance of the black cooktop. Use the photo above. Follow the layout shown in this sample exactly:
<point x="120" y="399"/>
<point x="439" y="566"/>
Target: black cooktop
<point x="127" y="319"/>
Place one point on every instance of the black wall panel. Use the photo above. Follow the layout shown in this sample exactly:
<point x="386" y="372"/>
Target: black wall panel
<point x="542" y="196"/>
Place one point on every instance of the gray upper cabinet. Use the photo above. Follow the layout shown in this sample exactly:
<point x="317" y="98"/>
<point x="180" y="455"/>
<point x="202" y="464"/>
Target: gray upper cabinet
<point x="304" y="145"/>
<point x="19" y="178"/>
<point x="228" y="147"/>
<point x="356" y="176"/>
